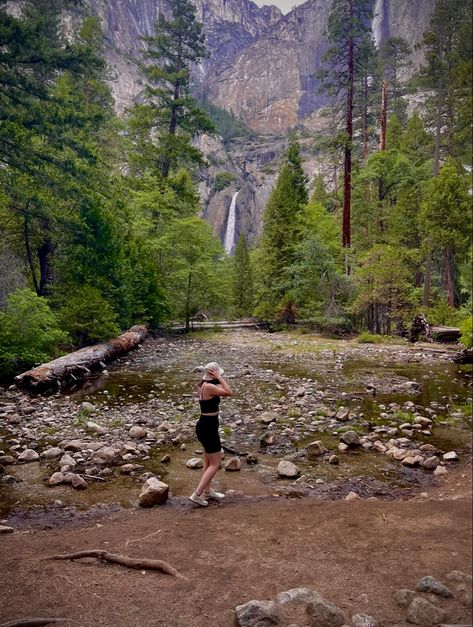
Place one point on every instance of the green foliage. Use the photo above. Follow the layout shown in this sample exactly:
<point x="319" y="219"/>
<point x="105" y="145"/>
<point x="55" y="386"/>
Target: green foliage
<point x="242" y="279"/>
<point x="87" y="317"/>
<point x="29" y="332"/>
<point x="227" y="125"/>
<point x="170" y="112"/>
<point x="223" y="180"/>
<point x="466" y="327"/>
<point x="369" y="338"/>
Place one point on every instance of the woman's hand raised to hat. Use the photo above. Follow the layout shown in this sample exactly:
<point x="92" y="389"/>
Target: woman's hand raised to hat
<point x="214" y="373"/>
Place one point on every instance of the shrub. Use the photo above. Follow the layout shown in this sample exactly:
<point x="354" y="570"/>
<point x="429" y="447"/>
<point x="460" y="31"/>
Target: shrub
<point x="369" y="338"/>
<point x="466" y="327"/>
<point x="88" y="317"/>
<point x="29" y="332"/>
<point x="223" y="180"/>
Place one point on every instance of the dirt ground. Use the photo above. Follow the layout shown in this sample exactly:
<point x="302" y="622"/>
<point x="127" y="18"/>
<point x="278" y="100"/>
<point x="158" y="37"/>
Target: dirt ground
<point x="356" y="554"/>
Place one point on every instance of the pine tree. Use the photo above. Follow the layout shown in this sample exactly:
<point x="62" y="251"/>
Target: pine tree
<point x="242" y="280"/>
<point x="281" y="231"/>
<point x="176" y="45"/>
<point x="394" y="55"/>
<point x="348" y="29"/>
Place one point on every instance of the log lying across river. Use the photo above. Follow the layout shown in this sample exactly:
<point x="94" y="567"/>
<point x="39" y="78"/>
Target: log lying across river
<point x="75" y="366"/>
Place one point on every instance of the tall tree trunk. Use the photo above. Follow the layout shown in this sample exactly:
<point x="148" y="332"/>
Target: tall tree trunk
<point x="364" y="119"/>
<point x="346" y="238"/>
<point x="45" y="269"/>
<point x="166" y="162"/>
<point x="428" y="274"/>
<point x="29" y="256"/>
<point x="384" y="116"/>
<point x="448" y="277"/>
<point x="438" y="129"/>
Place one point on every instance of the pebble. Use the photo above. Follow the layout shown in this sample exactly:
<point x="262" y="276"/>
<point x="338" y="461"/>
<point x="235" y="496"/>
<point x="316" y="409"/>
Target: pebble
<point x="233" y="464"/>
<point x="440" y="470"/>
<point x="352" y="496"/>
<point x="51" y="453"/>
<point x="154" y="492"/>
<point x="137" y="432"/>
<point x="451" y="456"/>
<point x="195" y="463"/>
<point x="350" y="438"/>
<point x="78" y="482"/>
<point x="56" y="478"/>
<point x="315" y="449"/>
<point x="364" y="620"/>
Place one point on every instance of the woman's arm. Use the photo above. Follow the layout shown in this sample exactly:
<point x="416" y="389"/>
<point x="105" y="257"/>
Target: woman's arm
<point x="219" y="390"/>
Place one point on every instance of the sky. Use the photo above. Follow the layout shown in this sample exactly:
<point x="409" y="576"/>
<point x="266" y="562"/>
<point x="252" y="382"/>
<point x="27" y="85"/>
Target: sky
<point x="284" y="5"/>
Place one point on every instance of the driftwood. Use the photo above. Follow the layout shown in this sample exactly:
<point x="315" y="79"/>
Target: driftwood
<point x="32" y="622"/>
<point x="123" y="560"/>
<point x="420" y="326"/>
<point x="464" y="357"/>
<point x="81" y="363"/>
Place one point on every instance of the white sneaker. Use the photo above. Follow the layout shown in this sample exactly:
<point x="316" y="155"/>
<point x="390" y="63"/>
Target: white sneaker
<point x="213" y="494"/>
<point x="195" y="498"/>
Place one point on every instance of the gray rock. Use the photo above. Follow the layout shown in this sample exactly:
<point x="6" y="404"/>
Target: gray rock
<point x="4" y="529"/>
<point x="440" y="470"/>
<point x="195" y="463"/>
<point x="28" y="455"/>
<point x="451" y="456"/>
<point x="333" y="459"/>
<point x="260" y="614"/>
<point x="137" y="432"/>
<point x="433" y="585"/>
<point x="297" y="595"/>
<point x="350" y="438"/>
<point x="153" y="492"/>
<point x="233" y="464"/>
<point x="288" y="469"/>
<point x="96" y="428"/>
<point x="27" y="410"/>
<point x="104" y="455"/>
<point x="422" y="612"/>
<point x="73" y="445"/>
<point x="431" y="463"/>
<point x="51" y="453"/>
<point x="363" y="620"/>
<point x="404" y="597"/>
<point x="88" y="407"/>
<point x="342" y="415"/>
<point x="268" y="417"/>
<point x="56" y="479"/>
<point x="67" y="460"/>
<point x="315" y="449"/>
<point x="78" y="483"/>
<point x="267" y="439"/>
<point x="322" y="613"/>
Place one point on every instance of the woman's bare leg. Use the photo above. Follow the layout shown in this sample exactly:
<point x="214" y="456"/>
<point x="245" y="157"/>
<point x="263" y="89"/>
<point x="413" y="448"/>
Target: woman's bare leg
<point x="213" y="460"/>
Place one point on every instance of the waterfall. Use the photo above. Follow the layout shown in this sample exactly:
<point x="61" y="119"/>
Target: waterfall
<point x="229" y="238"/>
<point x="377" y="23"/>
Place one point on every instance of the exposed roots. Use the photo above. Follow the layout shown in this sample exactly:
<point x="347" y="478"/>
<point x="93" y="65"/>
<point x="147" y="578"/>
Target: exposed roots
<point x="123" y="560"/>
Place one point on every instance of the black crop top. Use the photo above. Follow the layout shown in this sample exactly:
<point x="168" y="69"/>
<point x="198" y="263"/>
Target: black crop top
<point x="211" y="405"/>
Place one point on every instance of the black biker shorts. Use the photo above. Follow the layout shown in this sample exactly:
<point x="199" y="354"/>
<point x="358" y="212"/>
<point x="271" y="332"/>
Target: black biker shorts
<point x="207" y="433"/>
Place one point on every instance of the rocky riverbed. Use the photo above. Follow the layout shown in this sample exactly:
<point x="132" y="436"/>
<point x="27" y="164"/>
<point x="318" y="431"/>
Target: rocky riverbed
<point x="309" y="417"/>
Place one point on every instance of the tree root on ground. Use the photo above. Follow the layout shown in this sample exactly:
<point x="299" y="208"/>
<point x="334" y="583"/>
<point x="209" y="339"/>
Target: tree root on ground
<point x="31" y="622"/>
<point x="123" y="560"/>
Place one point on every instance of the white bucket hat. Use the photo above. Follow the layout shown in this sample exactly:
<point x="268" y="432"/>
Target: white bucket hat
<point x="213" y="365"/>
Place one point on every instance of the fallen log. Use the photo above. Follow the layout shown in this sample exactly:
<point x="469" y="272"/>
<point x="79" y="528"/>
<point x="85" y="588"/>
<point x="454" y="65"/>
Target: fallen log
<point x="81" y="363"/>
<point x="123" y="560"/>
<point x="464" y="357"/>
<point x="445" y="334"/>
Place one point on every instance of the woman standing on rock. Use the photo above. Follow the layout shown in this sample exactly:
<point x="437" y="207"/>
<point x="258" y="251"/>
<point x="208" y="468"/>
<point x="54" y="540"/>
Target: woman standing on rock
<point x="211" y="388"/>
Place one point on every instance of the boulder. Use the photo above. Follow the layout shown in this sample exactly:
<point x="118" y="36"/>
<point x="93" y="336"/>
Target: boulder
<point x="51" y="453"/>
<point x="350" y="438"/>
<point x="137" y="432"/>
<point x="433" y="585"/>
<point x="321" y="613"/>
<point x="28" y="455"/>
<point x="315" y="449"/>
<point x="288" y="469"/>
<point x="153" y="492"/>
<point x="233" y="464"/>
<point x="260" y="614"/>
<point x="422" y="612"/>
